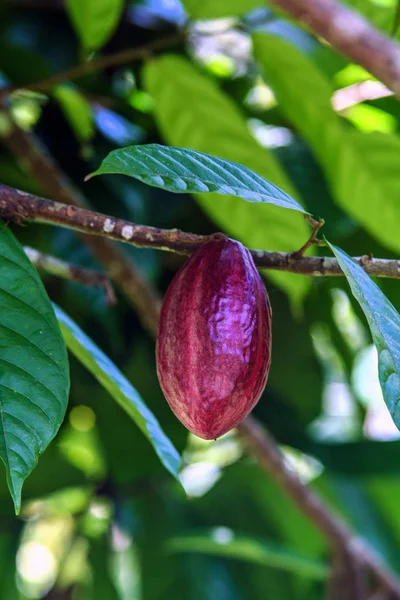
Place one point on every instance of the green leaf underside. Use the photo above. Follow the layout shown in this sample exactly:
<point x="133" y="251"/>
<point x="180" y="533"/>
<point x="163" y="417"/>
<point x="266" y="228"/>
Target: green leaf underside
<point x="214" y="125"/>
<point x="384" y="323"/>
<point x="362" y="169"/>
<point x="111" y="378"/>
<point x="181" y="170"/>
<point x="249" y="549"/>
<point x="34" y="373"/>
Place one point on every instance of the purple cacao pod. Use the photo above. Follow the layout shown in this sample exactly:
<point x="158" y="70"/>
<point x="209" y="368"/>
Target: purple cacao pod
<point x="214" y="339"/>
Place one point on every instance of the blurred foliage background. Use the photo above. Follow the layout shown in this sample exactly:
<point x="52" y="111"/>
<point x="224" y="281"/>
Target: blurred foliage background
<point x="101" y="518"/>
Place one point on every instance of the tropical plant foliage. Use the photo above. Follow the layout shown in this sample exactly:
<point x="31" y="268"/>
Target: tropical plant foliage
<point x="243" y="123"/>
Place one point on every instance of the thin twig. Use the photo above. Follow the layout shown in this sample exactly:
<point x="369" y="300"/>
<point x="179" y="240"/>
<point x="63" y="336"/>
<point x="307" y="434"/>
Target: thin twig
<point x="380" y="594"/>
<point x="119" y="267"/>
<point x="59" y="268"/>
<point x="270" y="458"/>
<point x="313" y="239"/>
<point x="20" y="206"/>
<point x="351" y="34"/>
<point x="98" y="64"/>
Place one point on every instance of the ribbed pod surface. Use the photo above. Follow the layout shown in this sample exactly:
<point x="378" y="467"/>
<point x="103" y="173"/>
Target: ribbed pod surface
<point x="214" y="339"/>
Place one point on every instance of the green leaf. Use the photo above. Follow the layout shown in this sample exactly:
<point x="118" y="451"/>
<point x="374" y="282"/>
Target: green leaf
<point x="94" y="20"/>
<point x="221" y="541"/>
<point x="362" y="169"/>
<point x="384" y="323"/>
<point x="209" y="9"/>
<point x="370" y="193"/>
<point x="213" y="124"/>
<point x="77" y="110"/>
<point x="396" y="22"/>
<point x="119" y="448"/>
<point x="120" y="389"/>
<point x="183" y="171"/>
<point x="33" y="366"/>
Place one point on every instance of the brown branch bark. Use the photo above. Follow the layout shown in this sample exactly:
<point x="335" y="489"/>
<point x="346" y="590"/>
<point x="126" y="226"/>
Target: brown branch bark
<point x="21" y="206"/>
<point x="98" y="64"/>
<point x="118" y="266"/>
<point x="59" y="268"/>
<point x="348" y="579"/>
<point x="270" y="458"/>
<point x="350" y="34"/>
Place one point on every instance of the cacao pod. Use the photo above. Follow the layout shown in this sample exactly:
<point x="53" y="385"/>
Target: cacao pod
<point x="214" y="339"/>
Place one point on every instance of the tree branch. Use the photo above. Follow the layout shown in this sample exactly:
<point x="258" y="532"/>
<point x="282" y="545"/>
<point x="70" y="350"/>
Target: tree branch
<point x="60" y="268"/>
<point x="348" y="580"/>
<point x="98" y="64"/>
<point x="20" y="206"/>
<point x="270" y="458"/>
<point x="350" y="34"/>
<point x="313" y="239"/>
<point x="119" y="267"/>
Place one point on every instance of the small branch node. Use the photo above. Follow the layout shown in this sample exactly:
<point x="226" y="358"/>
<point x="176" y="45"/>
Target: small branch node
<point x="312" y="241"/>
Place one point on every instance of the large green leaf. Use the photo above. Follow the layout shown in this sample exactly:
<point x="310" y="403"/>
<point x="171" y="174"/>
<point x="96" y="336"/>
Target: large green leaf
<point x="94" y="20"/>
<point x="362" y="169"/>
<point x="181" y="170"/>
<point x="120" y="389"/>
<point x="224" y="542"/>
<point x="34" y="375"/>
<point x="213" y="124"/>
<point x="384" y="323"/>
<point x="209" y="9"/>
<point x="370" y="194"/>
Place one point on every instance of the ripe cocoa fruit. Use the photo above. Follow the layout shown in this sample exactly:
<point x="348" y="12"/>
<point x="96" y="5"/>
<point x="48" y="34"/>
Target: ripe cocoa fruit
<point x="214" y="339"/>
